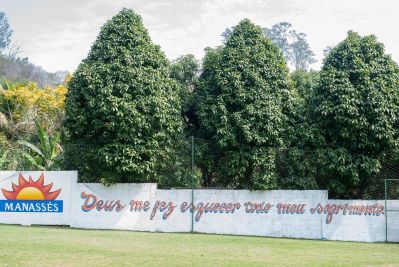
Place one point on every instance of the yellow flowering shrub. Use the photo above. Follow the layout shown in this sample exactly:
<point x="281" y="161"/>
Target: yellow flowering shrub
<point x="25" y="103"/>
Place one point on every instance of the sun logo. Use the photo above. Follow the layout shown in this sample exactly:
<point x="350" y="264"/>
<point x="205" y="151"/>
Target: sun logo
<point x="31" y="190"/>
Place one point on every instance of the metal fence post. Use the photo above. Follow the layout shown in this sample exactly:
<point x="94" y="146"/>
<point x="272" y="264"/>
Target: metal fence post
<point x="192" y="183"/>
<point x="386" y="211"/>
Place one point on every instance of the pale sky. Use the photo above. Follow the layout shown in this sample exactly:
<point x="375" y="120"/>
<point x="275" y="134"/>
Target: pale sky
<point x="57" y="34"/>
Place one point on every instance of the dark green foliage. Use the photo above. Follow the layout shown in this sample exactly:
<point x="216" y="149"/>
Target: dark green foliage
<point x="356" y="109"/>
<point x="185" y="70"/>
<point x="296" y="168"/>
<point x="305" y="82"/>
<point x="242" y="101"/>
<point x="303" y="133"/>
<point x="297" y="164"/>
<point x="122" y="109"/>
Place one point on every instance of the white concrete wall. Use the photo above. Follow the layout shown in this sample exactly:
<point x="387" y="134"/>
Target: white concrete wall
<point x="246" y="221"/>
<point x="314" y="216"/>
<point x="356" y="225"/>
<point x="143" y="207"/>
<point x="98" y="195"/>
<point x="393" y="220"/>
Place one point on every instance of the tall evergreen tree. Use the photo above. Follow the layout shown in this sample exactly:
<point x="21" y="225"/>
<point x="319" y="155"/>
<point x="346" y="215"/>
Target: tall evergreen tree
<point x="242" y="102"/>
<point x="122" y="109"/>
<point x="356" y="109"/>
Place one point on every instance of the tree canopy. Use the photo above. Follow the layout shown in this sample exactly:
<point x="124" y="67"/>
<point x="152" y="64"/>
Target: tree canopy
<point x="122" y="109"/>
<point x="242" y="100"/>
<point x="356" y="109"/>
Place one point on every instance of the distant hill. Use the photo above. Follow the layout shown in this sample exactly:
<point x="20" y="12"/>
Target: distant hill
<point x="21" y="70"/>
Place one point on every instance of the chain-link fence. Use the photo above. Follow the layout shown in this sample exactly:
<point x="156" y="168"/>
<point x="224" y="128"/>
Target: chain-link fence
<point x="196" y="163"/>
<point x="199" y="164"/>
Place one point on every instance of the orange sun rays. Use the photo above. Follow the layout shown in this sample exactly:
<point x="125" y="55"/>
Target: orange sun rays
<point x="35" y="185"/>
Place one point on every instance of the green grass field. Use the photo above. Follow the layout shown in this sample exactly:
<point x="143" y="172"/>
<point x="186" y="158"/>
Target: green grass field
<point x="57" y="246"/>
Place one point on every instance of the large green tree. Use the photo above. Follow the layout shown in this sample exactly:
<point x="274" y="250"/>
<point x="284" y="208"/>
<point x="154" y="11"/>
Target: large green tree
<point x="356" y="109"/>
<point x="242" y="101"/>
<point x="122" y="109"/>
<point x="305" y="82"/>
